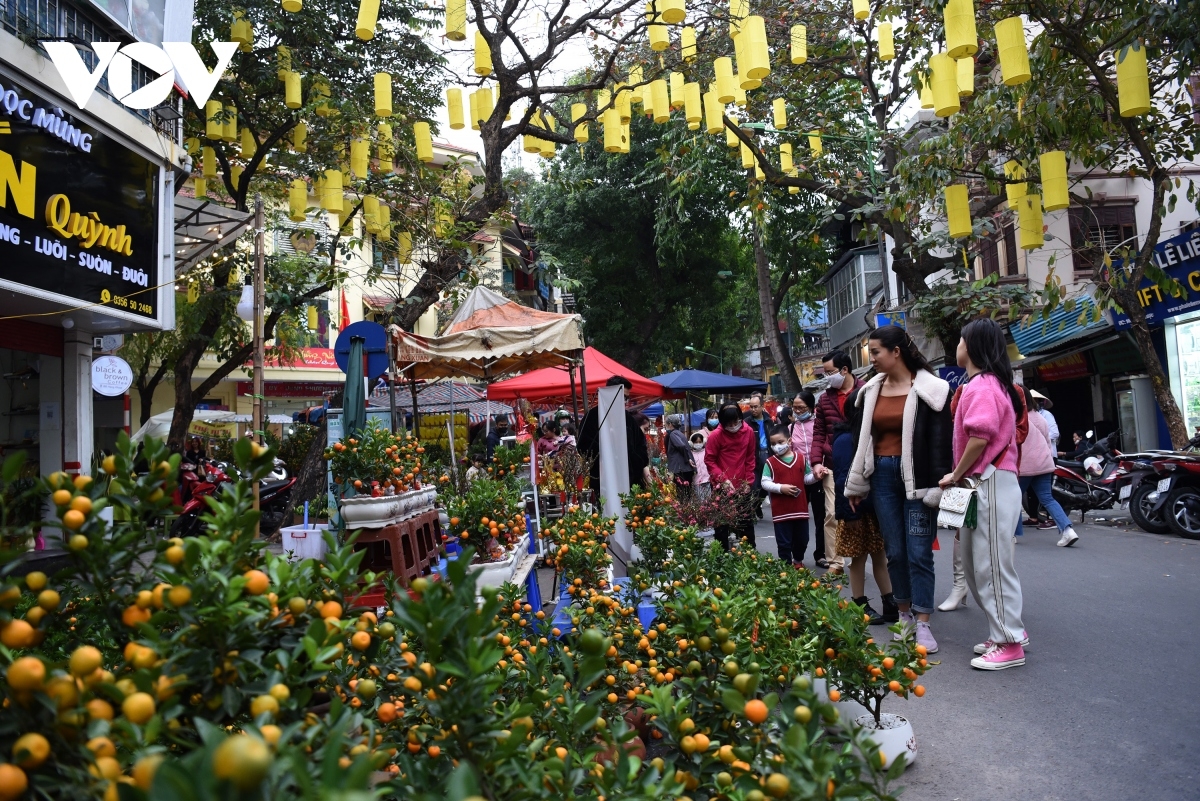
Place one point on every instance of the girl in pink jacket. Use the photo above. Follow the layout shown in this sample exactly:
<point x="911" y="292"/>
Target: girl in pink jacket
<point x="729" y="456"/>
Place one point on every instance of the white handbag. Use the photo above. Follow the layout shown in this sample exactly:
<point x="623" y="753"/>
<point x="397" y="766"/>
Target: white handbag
<point x="958" y="506"/>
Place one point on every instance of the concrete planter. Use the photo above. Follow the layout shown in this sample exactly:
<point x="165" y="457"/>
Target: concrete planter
<point x="493" y="574"/>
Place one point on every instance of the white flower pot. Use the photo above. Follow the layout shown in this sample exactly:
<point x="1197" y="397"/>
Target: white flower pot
<point x="364" y="511"/>
<point x="894" y="736"/>
<point x="493" y="574"/>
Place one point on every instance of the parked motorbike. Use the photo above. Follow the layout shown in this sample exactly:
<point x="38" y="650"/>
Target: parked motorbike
<point x="198" y="482"/>
<point x="1077" y="488"/>
<point x="1170" y="499"/>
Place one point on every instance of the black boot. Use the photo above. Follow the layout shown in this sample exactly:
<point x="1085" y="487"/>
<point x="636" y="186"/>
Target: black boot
<point x="865" y="603"/>
<point x="891" y="612"/>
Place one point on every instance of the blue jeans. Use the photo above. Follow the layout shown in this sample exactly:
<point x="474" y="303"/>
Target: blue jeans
<point x="1042" y="488"/>
<point x="791" y="539"/>
<point x="908" y="528"/>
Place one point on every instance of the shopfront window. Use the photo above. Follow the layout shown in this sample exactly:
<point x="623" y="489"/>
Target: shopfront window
<point x="1188" y="337"/>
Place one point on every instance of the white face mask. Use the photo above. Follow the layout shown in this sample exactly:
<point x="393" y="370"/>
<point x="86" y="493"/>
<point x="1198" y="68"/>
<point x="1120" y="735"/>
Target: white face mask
<point x="697" y="446"/>
<point x="734" y="428"/>
<point x="780" y="449"/>
<point x="836" y="380"/>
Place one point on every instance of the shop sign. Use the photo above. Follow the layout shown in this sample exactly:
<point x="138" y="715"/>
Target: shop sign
<point x="78" y="211"/>
<point x="293" y="389"/>
<point x="111" y="376"/>
<point x="897" y="318"/>
<point x="954" y="376"/>
<point x="307" y="358"/>
<point x="1178" y="257"/>
<point x="1068" y="367"/>
<point x="199" y="428"/>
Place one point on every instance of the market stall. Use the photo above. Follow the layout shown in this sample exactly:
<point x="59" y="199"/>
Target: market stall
<point x="554" y="384"/>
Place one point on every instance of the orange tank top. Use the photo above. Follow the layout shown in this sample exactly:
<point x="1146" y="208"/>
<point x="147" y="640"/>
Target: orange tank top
<point x="887" y="425"/>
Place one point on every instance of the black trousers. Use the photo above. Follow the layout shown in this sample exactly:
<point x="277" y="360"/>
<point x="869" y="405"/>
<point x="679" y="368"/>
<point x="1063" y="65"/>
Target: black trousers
<point x="816" y="508"/>
<point x="741" y="531"/>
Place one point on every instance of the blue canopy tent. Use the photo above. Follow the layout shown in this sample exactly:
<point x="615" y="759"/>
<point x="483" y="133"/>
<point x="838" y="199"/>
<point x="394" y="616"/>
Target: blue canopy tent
<point x="703" y="381"/>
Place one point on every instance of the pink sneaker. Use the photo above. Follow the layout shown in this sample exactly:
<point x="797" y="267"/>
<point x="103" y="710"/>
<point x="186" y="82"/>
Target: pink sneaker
<point x="1000" y="656"/>
<point x="982" y="647"/>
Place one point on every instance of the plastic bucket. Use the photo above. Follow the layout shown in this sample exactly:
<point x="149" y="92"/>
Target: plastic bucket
<point x="304" y="543"/>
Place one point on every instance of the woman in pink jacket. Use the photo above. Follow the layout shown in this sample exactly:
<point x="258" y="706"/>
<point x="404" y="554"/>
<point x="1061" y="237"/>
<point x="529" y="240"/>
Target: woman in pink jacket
<point x="985" y="450"/>
<point x="729" y="455"/>
<point x="1037" y="471"/>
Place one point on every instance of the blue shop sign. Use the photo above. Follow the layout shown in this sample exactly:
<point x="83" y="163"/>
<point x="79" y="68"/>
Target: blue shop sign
<point x="896" y="318"/>
<point x="1178" y="257"/>
<point x="955" y="376"/>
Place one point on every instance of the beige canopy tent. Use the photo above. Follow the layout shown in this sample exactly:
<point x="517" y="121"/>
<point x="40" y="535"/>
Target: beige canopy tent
<point x="490" y="336"/>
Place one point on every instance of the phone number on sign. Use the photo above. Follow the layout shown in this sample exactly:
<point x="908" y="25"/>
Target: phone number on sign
<point x="126" y="303"/>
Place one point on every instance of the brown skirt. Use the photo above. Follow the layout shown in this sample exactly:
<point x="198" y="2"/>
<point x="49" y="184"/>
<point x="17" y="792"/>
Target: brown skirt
<point x="859" y="537"/>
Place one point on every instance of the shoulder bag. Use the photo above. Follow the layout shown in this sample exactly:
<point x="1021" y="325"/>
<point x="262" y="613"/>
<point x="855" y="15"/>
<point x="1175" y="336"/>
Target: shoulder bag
<point x="958" y="506"/>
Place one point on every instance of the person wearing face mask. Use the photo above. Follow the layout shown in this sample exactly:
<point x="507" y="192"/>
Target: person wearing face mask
<point x="760" y="425"/>
<point x="729" y="455"/>
<point x="784" y="477"/>
<point x="801" y="437"/>
<point x="680" y="461"/>
<point x="700" y="485"/>
<point x="710" y="421"/>
<point x="829" y="412"/>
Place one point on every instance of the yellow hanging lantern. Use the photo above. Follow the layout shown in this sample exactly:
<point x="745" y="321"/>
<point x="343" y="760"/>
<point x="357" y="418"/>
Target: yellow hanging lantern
<point x="241" y="31"/>
<point x="794" y="190"/>
<point x="862" y="9"/>
<point x="757" y="54"/>
<point x="1014" y="56"/>
<point x="483" y="55"/>
<point x="673" y="11"/>
<point x="958" y="211"/>
<point x="731" y="139"/>
<point x="662" y="106"/>
<point x="483" y="105"/>
<point x="385" y="149"/>
<point x="235" y="176"/>
<point x="712" y="112"/>
<point x="779" y="113"/>
<point x="293" y="96"/>
<point x="965" y="68"/>
<point x="1013" y="171"/>
<point x="747" y="156"/>
<point x="403" y="246"/>
<point x="383" y="94"/>
<point x="248" y="145"/>
<point x="785" y="157"/>
<point x="529" y="142"/>
<point x="298" y="201"/>
<point x="292" y="6"/>
<point x="676" y="83"/>
<point x="612" y="130"/>
<point x="385" y="222"/>
<point x="814" y="142"/>
<point x="687" y="44"/>
<point x="887" y="42"/>
<point x="332" y="192"/>
<point x="547" y="146"/>
<point x="655" y="30"/>
<point x="360" y="157"/>
<point x="1054" y="180"/>
<point x="314" y="318"/>
<point x="626" y="139"/>
<point x="693" y="106"/>
<point x="209" y="162"/>
<point x="300" y="137"/>
<point x="958" y="17"/>
<point x="368" y="16"/>
<point x="230" y="127"/>
<point x="578" y="112"/>
<point x="456" y="20"/>
<point x="193" y="291"/>
<point x="739" y="97"/>
<point x="319" y="94"/>
<point x="726" y="84"/>
<point x="624" y="103"/>
<point x="759" y="175"/>
<point x="213" y="127"/>
<point x="604" y="100"/>
<point x="370" y="212"/>
<point x="738" y="9"/>
<point x="474" y="109"/>
<point x="192" y="146"/>
<point x="925" y="88"/>
<point x="647" y="101"/>
<point x="635" y="80"/>
<point x="283" y="61"/>
<point x="1133" y="81"/>
<point x="424" y="141"/>
<point x="799" y="44"/>
<point x="1029" y="220"/>
<point x="454" y="108"/>
<point x="944" y="78"/>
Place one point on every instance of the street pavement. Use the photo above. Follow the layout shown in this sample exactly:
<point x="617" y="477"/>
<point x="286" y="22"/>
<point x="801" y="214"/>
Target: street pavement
<point x="1104" y="707"/>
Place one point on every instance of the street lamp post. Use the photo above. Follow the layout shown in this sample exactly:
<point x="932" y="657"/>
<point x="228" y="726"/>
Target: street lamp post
<point x="720" y="361"/>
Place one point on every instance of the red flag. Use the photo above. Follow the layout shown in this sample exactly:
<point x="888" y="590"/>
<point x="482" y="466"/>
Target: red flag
<point x="343" y="313"/>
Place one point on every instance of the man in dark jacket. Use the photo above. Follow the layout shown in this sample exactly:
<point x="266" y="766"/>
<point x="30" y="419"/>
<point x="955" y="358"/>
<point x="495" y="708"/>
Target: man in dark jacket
<point x="680" y="461"/>
<point x="756" y="418"/>
<point x="499" y="432"/>
<point x="830" y="412"/>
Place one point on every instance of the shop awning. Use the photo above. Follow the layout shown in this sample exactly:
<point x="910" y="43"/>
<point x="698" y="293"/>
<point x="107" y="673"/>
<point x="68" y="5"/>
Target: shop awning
<point x="378" y="303"/>
<point x="1039" y="334"/>
<point x="202" y="228"/>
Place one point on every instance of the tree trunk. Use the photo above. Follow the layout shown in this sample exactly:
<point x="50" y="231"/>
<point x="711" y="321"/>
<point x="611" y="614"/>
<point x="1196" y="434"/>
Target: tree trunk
<point x="1159" y="381"/>
<point x="310" y="479"/>
<point x="770" y="318"/>
<point x="146" y="398"/>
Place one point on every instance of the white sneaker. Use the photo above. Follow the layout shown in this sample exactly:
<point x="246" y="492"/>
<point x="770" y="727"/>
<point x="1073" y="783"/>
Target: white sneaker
<point x="982" y="647"/>
<point x="1069" y="538"/>
<point x="908" y="622"/>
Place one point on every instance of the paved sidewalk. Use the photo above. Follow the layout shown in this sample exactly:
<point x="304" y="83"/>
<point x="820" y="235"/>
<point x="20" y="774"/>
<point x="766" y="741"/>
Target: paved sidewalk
<point x="1105" y="706"/>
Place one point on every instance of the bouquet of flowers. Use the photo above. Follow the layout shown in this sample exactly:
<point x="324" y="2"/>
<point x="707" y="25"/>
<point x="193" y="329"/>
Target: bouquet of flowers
<point x="723" y="507"/>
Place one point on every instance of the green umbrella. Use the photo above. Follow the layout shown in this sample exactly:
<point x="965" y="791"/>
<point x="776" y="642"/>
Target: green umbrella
<point x="354" y="402"/>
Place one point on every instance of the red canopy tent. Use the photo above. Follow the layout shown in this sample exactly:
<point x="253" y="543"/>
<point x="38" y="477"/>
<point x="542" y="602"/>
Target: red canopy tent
<point x="553" y="384"/>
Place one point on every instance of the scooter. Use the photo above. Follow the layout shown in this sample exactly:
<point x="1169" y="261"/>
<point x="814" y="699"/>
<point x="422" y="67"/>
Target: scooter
<point x="273" y="500"/>
<point x="1075" y="487"/>
<point x="1170" y="499"/>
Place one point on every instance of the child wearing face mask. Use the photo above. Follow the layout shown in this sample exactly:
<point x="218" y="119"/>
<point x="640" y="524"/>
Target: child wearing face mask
<point x="701" y="479"/>
<point x="784" y="476"/>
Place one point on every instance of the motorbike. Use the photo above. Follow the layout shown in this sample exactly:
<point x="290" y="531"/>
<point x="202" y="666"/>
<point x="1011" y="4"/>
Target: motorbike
<point x="1176" y="496"/>
<point x="1076" y="487"/>
<point x="198" y="482"/>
